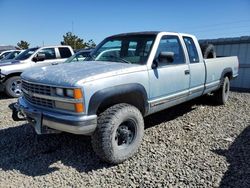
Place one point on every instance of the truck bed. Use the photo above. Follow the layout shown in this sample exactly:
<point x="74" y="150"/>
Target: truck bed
<point x="215" y="68"/>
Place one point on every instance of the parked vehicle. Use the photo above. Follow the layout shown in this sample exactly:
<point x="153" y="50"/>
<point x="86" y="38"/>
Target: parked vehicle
<point x="79" y="56"/>
<point x="5" y="53"/>
<point x="108" y="97"/>
<point x="10" y="72"/>
<point x="11" y="56"/>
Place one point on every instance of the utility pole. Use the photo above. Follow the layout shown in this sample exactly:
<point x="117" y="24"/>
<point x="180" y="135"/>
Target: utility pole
<point x="73" y="34"/>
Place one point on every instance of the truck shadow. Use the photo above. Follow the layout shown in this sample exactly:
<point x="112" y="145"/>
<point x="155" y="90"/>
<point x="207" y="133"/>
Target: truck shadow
<point x="177" y="111"/>
<point x="3" y="96"/>
<point x="238" y="157"/>
<point x="35" y="155"/>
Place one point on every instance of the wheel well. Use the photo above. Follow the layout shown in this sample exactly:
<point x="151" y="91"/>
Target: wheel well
<point x="135" y="99"/>
<point x="229" y="75"/>
<point x="11" y="75"/>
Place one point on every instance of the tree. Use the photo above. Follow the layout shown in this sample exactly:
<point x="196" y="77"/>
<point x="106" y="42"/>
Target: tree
<point x="23" y="44"/>
<point x="91" y="44"/>
<point x="74" y="41"/>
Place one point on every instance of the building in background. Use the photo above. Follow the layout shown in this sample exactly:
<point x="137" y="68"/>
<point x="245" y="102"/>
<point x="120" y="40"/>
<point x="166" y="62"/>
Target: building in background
<point x="239" y="46"/>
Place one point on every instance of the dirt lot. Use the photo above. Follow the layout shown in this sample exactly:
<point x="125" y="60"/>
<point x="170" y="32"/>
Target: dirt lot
<point x="197" y="144"/>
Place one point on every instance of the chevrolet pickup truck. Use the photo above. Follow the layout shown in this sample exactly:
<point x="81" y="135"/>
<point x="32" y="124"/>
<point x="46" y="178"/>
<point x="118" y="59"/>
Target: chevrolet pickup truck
<point x="10" y="71"/>
<point x="127" y="77"/>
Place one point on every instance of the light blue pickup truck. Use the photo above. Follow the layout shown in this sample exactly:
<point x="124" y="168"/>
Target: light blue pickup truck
<point x="127" y="77"/>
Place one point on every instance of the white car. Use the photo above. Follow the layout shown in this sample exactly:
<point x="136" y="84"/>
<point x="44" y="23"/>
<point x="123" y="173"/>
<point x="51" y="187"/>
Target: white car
<point x="10" y="71"/>
<point x="12" y="55"/>
<point x="3" y="54"/>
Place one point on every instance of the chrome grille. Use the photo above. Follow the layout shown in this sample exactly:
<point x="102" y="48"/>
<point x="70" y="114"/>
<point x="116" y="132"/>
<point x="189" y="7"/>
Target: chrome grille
<point x="39" y="101"/>
<point x="38" y="89"/>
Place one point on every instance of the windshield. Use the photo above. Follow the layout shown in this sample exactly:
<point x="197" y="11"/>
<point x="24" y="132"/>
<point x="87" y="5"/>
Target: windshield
<point x="133" y="49"/>
<point x="4" y="54"/>
<point x="79" y="56"/>
<point x="11" y="55"/>
<point x="26" y="54"/>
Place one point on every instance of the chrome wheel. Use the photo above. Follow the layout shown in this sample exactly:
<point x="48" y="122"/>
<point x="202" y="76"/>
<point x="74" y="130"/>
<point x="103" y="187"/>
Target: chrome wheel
<point x="16" y="87"/>
<point x="13" y="86"/>
<point x="226" y="89"/>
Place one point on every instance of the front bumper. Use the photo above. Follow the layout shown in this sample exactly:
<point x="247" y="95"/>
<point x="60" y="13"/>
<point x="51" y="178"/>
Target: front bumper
<point x="2" y="86"/>
<point x="50" y="122"/>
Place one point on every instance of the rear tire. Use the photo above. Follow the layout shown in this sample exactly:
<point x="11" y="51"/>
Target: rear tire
<point x="13" y="86"/>
<point x="221" y="95"/>
<point x="118" y="134"/>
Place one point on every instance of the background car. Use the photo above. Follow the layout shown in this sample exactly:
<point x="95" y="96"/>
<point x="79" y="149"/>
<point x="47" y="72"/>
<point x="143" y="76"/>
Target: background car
<point x="10" y="71"/>
<point x="11" y="55"/>
<point x="5" y="53"/>
<point x="79" y="56"/>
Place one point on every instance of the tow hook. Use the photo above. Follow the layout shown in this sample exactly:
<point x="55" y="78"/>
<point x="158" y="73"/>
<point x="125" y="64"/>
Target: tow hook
<point x="17" y="115"/>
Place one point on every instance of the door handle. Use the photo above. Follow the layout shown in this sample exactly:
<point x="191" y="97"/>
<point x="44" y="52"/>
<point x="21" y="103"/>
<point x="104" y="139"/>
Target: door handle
<point x="187" y="72"/>
<point x="54" y="63"/>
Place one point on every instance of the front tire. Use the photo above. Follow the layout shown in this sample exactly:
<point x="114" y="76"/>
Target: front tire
<point x="13" y="86"/>
<point x="222" y="94"/>
<point x="118" y="134"/>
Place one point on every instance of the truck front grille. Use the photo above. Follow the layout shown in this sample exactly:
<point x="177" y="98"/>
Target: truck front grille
<point x="36" y="88"/>
<point x="39" y="101"/>
<point x="30" y="88"/>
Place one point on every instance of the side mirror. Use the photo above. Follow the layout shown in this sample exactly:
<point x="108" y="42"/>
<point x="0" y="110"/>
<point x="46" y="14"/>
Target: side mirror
<point x="155" y="64"/>
<point x="168" y="56"/>
<point x="39" y="57"/>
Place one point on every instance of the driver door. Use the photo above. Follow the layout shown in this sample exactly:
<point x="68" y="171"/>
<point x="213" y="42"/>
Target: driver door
<point x="169" y="81"/>
<point x="50" y="57"/>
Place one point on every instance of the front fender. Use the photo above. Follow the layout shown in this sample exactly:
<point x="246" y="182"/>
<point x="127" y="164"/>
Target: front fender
<point x="134" y="94"/>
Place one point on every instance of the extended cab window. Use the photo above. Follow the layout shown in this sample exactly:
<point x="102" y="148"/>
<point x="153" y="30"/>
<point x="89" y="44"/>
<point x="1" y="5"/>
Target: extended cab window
<point x="48" y="52"/>
<point x="192" y="51"/>
<point x="64" y="52"/>
<point x="171" y="44"/>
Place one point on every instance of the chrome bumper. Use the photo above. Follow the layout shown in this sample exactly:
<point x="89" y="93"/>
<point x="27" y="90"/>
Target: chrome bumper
<point x="46" y="122"/>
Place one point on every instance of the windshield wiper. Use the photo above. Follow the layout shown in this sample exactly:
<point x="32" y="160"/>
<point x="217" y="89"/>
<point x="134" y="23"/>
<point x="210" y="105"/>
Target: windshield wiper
<point x="119" y="58"/>
<point x="90" y="58"/>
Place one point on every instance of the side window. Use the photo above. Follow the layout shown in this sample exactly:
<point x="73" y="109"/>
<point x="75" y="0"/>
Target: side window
<point x="192" y="51"/>
<point x="49" y="53"/>
<point x="171" y="44"/>
<point x="64" y="52"/>
<point x="132" y="48"/>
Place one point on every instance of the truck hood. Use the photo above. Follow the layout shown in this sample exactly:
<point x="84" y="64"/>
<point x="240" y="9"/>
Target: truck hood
<point x="73" y="73"/>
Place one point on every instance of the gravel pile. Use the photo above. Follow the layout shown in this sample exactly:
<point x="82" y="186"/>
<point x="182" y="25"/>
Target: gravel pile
<point x="196" y="144"/>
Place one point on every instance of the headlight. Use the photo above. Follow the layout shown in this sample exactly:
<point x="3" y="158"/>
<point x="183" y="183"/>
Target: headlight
<point x="64" y="92"/>
<point x="65" y="106"/>
<point x="59" y="92"/>
<point x="74" y="95"/>
<point x="70" y="93"/>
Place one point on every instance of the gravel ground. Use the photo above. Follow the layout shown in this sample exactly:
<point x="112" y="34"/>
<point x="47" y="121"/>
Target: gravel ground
<point x="196" y="144"/>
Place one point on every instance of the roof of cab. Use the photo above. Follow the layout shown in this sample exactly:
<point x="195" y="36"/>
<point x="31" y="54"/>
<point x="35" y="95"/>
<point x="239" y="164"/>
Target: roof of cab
<point x="137" y="33"/>
<point x="149" y="33"/>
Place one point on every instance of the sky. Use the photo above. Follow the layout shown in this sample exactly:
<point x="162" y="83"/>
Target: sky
<point x="44" y="22"/>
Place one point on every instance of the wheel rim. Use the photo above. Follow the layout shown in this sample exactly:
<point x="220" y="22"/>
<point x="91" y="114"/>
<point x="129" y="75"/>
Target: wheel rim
<point x="125" y="134"/>
<point x="226" y="91"/>
<point x="16" y="87"/>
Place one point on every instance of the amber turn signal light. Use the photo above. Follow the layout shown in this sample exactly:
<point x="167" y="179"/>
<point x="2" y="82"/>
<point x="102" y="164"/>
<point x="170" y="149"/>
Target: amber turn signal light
<point x="78" y="93"/>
